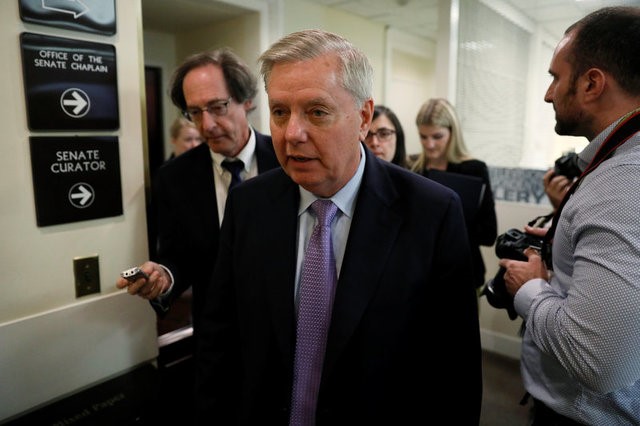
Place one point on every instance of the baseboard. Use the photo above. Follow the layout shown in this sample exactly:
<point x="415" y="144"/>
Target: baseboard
<point x="52" y="354"/>
<point x="501" y="343"/>
<point x="130" y="399"/>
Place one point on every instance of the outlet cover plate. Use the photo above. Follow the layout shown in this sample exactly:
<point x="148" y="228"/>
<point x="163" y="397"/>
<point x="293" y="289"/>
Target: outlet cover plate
<point x="87" y="274"/>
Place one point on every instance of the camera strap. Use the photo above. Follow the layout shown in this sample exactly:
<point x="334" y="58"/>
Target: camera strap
<point x="627" y="127"/>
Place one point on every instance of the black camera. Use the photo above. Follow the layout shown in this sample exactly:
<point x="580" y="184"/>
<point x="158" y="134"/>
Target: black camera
<point x="567" y="166"/>
<point x="510" y="245"/>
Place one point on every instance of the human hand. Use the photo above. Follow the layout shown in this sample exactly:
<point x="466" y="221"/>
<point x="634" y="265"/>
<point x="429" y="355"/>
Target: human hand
<point x="536" y="231"/>
<point x="158" y="282"/>
<point x="519" y="272"/>
<point x="555" y="186"/>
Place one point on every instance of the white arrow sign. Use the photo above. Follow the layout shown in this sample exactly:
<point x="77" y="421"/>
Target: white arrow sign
<point x="81" y="195"/>
<point x="66" y="6"/>
<point x="75" y="102"/>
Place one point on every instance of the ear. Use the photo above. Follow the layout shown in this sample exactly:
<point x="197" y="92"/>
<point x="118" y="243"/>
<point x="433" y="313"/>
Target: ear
<point x="593" y="84"/>
<point x="366" y="115"/>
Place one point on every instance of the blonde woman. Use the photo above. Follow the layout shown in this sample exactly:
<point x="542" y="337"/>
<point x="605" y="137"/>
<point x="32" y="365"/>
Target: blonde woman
<point x="184" y="136"/>
<point x="443" y="149"/>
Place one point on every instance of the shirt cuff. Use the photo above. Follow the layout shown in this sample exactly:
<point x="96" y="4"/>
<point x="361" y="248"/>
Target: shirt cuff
<point x="168" y="291"/>
<point x="524" y="297"/>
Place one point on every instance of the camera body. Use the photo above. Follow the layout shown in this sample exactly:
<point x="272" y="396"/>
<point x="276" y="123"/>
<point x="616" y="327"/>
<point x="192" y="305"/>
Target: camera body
<point x="510" y="245"/>
<point x="567" y="165"/>
<point x="513" y="243"/>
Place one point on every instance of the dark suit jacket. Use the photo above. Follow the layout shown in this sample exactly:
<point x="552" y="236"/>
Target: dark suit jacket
<point x="392" y="354"/>
<point x="484" y="228"/>
<point x="184" y="197"/>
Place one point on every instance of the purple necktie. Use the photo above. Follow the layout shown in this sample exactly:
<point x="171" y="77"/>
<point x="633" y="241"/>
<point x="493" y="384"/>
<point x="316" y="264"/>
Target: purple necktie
<point x="317" y="286"/>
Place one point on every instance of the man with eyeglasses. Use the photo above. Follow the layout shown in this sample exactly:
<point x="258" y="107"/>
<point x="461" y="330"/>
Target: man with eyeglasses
<point x="215" y="90"/>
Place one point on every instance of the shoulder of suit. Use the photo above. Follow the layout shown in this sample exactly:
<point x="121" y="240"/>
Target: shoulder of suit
<point x="470" y="165"/>
<point x="200" y="153"/>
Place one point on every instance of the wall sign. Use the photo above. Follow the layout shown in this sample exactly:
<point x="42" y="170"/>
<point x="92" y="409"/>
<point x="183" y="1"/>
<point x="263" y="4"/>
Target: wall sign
<point x="75" y="178"/>
<point x="518" y="185"/>
<point x="69" y="84"/>
<point x="92" y="16"/>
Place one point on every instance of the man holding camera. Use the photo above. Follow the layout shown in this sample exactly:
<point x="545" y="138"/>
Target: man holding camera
<point x="558" y="180"/>
<point x="580" y="359"/>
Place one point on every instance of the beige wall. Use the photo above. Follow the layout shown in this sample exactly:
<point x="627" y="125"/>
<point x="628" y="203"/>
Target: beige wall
<point x="51" y="342"/>
<point x="499" y="333"/>
<point x="412" y="84"/>
<point x="367" y="35"/>
<point x="37" y="261"/>
<point x="160" y="51"/>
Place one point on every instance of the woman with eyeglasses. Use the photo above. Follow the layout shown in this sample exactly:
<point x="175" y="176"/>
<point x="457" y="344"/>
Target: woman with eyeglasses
<point x="386" y="137"/>
<point x="444" y="150"/>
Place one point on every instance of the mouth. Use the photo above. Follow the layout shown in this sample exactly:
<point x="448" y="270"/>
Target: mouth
<point x="300" y="159"/>
<point x="214" y="137"/>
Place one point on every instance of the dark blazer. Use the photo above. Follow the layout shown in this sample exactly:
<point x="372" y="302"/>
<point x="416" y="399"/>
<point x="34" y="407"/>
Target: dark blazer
<point x="484" y="228"/>
<point x="392" y="356"/>
<point x="184" y="197"/>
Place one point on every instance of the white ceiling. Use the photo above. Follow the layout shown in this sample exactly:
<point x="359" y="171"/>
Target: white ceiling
<point x="418" y="17"/>
<point x="182" y="15"/>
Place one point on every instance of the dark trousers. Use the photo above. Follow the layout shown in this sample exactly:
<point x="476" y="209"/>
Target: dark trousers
<point x="545" y="416"/>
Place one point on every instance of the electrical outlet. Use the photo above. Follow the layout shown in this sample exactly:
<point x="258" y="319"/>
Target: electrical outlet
<point x="87" y="274"/>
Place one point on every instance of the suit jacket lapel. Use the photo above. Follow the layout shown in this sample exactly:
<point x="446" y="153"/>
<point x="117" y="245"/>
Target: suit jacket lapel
<point x="204" y="189"/>
<point x="373" y="230"/>
<point x="265" y="154"/>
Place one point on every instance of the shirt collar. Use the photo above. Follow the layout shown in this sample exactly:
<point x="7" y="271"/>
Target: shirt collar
<point x="345" y="198"/>
<point x="246" y="154"/>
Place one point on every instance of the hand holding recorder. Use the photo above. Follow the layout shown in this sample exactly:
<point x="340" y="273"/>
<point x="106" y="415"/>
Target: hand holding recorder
<point x="148" y="280"/>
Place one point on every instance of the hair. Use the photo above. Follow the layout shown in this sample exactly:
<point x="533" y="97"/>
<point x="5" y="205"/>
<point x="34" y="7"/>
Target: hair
<point x="608" y="39"/>
<point x="439" y="112"/>
<point x="400" y="156"/>
<point x="178" y="124"/>
<point x="357" y="73"/>
<point x="240" y="81"/>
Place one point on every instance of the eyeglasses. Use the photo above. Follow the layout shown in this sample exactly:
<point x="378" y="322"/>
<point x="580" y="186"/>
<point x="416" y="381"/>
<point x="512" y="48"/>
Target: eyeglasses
<point x="383" y="134"/>
<point x="217" y="108"/>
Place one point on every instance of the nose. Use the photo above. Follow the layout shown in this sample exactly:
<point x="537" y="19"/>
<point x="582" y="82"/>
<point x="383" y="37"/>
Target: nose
<point x="295" y="129"/>
<point x="208" y="121"/>
<point x="373" y="140"/>
<point x="547" y="96"/>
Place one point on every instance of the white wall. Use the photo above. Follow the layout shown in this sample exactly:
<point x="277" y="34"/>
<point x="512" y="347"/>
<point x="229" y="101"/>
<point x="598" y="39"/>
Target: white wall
<point x="51" y="342"/>
<point x="367" y="35"/>
<point x="160" y="52"/>
<point x="410" y="73"/>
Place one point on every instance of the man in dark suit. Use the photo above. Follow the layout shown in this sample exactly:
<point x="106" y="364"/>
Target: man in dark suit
<point x="399" y="244"/>
<point x="215" y="90"/>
